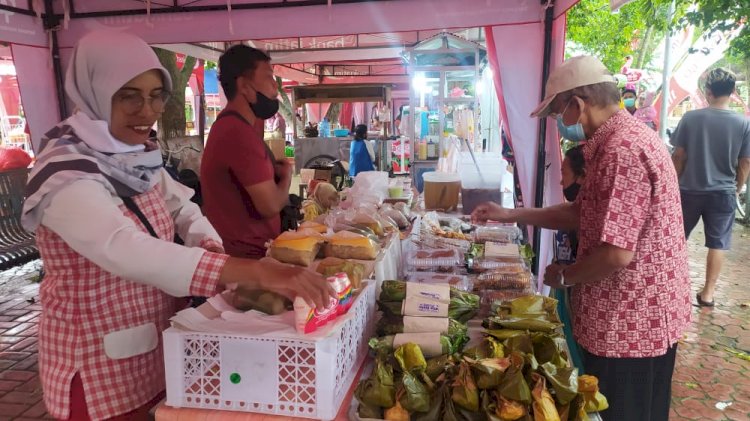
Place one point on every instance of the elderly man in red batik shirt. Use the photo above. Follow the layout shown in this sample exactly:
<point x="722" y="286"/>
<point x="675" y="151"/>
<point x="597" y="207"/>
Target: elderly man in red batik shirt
<point x="630" y="286"/>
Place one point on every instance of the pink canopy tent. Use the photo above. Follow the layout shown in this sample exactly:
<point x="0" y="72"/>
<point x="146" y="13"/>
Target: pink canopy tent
<point x="525" y="40"/>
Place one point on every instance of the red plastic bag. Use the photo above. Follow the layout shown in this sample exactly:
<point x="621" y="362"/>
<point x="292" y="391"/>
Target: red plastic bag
<point x="12" y="158"/>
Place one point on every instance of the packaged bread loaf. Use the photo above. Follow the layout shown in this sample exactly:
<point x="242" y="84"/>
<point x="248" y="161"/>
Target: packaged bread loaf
<point x="348" y="245"/>
<point x="296" y="247"/>
<point x="315" y="226"/>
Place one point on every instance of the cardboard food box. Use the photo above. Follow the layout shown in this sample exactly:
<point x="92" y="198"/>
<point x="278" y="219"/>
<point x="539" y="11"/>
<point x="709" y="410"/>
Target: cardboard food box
<point x="309" y="174"/>
<point x="277" y="147"/>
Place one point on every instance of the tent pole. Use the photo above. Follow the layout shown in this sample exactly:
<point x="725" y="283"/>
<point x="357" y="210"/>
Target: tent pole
<point x="52" y="24"/>
<point x="541" y="160"/>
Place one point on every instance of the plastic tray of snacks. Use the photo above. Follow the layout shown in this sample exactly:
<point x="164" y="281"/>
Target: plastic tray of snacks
<point x="271" y="374"/>
<point x="435" y="260"/>
<point x="457" y="281"/>
<point x="503" y="281"/>
<point x="497" y="233"/>
<point x="499" y="266"/>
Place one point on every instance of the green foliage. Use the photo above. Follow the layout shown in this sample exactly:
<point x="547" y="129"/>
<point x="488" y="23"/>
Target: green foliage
<point x="594" y="29"/>
<point x="719" y="15"/>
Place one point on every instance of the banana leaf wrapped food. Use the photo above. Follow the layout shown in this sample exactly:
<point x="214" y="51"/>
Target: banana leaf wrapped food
<point x="461" y="305"/>
<point x="379" y="389"/>
<point x="547" y="350"/>
<point x="504" y="334"/>
<point x="529" y="306"/>
<point x="415" y="397"/>
<point x="513" y="385"/>
<point x="410" y="358"/>
<point x="532" y="324"/>
<point x="488" y="372"/>
<point x="439" y="397"/>
<point x="437" y="366"/>
<point x="464" y="392"/>
<point x="393" y="325"/>
<point x="369" y="411"/>
<point x="564" y="382"/>
<point x="488" y="347"/>
<point x="543" y="405"/>
<point x="384" y="345"/>
<point x="594" y="401"/>
<point x="498" y="408"/>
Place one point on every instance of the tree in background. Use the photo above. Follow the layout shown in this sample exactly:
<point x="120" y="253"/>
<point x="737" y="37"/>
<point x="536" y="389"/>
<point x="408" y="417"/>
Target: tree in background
<point x="285" y="105"/>
<point x="635" y="30"/>
<point x="173" y="120"/>
<point x="720" y="15"/>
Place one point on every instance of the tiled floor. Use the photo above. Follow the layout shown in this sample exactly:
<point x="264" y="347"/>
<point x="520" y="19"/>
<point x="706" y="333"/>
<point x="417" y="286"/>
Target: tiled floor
<point x="713" y="360"/>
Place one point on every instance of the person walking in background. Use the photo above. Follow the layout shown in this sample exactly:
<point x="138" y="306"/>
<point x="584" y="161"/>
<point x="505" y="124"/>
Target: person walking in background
<point x="712" y="159"/>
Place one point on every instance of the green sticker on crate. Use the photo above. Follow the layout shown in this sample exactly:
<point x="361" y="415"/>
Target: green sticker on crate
<point x="235" y="378"/>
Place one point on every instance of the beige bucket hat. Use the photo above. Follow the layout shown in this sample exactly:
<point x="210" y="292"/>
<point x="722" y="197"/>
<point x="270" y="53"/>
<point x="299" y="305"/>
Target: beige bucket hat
<point x="573" y="73"/>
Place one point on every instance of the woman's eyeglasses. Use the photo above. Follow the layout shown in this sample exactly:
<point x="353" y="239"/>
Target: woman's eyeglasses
<point x="132" y="103"/>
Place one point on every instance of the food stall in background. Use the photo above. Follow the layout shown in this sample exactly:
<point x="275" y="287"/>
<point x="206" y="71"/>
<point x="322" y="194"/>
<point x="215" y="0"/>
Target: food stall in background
<point x="310" y="152"/>
<point x="444" y="105"/>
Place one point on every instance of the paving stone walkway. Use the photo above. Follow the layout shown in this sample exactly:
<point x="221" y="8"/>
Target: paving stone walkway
<point x="713" y="359"/>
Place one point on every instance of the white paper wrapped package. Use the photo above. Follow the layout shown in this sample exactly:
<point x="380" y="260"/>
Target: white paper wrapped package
<point x="424" y="307"/>
<point x="437" y="292"/>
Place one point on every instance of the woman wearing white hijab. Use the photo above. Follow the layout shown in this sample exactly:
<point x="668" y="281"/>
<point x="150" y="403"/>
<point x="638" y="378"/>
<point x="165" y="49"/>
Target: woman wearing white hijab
<point x="105" y="214"/>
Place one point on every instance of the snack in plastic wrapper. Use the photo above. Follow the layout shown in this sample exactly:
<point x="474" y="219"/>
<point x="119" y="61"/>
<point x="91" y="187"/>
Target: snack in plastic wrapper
<point x="309" y="319"/>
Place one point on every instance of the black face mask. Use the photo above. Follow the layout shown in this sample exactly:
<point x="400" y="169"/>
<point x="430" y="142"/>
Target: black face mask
<point x="264" y="107"/>
<point x="571" y="192"/>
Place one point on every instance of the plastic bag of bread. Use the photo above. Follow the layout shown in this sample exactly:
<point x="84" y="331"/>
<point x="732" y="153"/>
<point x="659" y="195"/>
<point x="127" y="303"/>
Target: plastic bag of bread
<point x="348" y="245"/>
<point x="315" y="226"/>
<point x="403" y="208"/>
<point x="399" y="218"/>
<point x="362" y="218"/>
<point x="389" y="224"/>
<point x="333" y="265"/>
<point x="296" y="247"/>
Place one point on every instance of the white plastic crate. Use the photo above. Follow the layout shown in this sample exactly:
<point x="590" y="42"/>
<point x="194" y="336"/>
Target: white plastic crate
<point x="292" y="377"/>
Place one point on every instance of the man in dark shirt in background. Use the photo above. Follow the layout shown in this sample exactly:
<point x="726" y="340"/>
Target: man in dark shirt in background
<point x="712" y="159"/>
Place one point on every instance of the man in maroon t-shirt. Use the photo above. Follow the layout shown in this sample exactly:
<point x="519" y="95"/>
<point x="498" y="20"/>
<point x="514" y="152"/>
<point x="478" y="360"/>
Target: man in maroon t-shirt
<point x="244" y="188"/>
